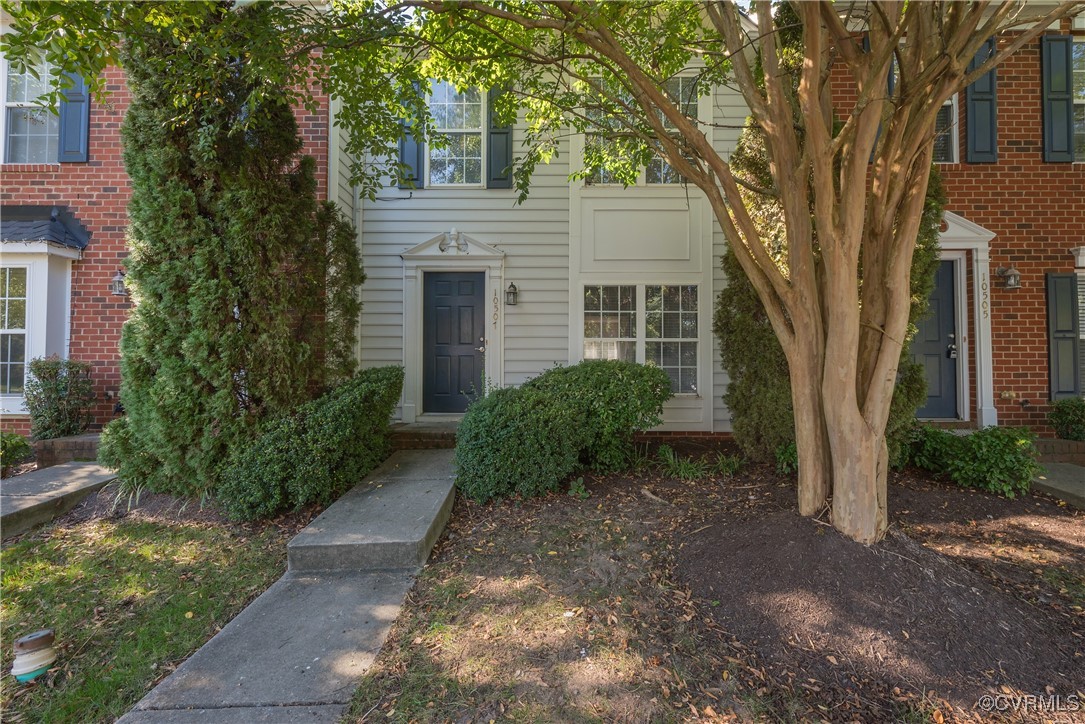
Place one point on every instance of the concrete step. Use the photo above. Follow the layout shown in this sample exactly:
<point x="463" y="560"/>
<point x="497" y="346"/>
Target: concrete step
<point x="39" y="496"/>
<point x="295" y="654"/>
<point x="389" y="522"/>
<point x="1065" y="481"/>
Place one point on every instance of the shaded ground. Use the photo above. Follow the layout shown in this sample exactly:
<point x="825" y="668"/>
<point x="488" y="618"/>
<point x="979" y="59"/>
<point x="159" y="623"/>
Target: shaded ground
<point x="658" y="600"/>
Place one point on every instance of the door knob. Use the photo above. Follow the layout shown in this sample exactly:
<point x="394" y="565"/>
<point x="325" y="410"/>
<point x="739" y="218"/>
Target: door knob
<point x="951" y="351"/>
<point x="480" y="349"/>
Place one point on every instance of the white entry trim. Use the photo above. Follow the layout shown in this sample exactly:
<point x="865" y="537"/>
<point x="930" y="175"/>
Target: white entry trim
<point x="450" y="251"/>
<point x="958" y="237"/>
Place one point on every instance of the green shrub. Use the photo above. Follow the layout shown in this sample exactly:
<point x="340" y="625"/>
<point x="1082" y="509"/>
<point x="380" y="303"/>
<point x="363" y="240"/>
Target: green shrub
<point x="13" y="450"/>
<point x="1068" y="418"/>
<point x="516" y="440"/>
<point x="314" y="454"/>
<point x="615" y="399"/>
<point x="931" y="448"/>
<point x="787" y="458"/>
<point x="996" y="459"/>
<point x="59" y="397"/>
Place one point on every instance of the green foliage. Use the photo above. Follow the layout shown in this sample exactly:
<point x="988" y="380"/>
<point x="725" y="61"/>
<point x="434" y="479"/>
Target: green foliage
<point x="245" y="286"/>
<point x="59" y="396"/>
<point x="677" y="466"/>
<point x="727" y="465"/>
<point x="996" y="459"/>
<point x="787" y="458"/>
<point x="577" y="489"/>
<point x="1068" y="418"/>
<point x="759" y="392"/>
<point x="316" y="452"/>
<point x="14" y="449"/>
<point x="527" y="440"/>
<point x="615" y="400"/>
<point x="516" y="440"/>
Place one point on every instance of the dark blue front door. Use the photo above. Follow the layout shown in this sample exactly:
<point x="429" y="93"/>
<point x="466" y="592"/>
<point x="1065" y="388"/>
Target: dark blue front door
<point x="935" y="347"/>
<point x="453" y="339"/>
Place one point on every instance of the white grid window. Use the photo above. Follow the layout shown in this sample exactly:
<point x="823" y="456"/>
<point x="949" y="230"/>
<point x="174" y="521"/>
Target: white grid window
<point x="12" y="330"/>
<point x="610" y="322"/>
<point x="652" y="324"/>
<point x="683" y="92"/>
<point x="671" y="331"/>
<point x="31" y="134"/>
<point x="458" y="117"/>
<point x="1079" y="100"/>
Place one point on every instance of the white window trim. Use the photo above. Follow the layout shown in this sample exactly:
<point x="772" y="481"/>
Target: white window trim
<point x="954" y="131"/>
<point x="484" y="96"/>
<point x="35" y="257"/>
<point x="4" y="105"/>
<point x="12" y="400"/>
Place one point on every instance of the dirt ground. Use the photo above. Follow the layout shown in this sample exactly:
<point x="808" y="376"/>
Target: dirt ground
<point x="657" y="600"/>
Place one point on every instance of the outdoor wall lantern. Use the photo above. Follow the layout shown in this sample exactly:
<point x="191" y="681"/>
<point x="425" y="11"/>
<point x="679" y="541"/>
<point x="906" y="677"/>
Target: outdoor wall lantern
<point x="510" y="295"/>
<point x="1011" y="276"/>
<point x="117" y="286"/>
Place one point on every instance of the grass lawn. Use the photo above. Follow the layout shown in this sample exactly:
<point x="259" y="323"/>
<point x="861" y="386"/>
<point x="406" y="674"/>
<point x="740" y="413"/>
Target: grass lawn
<point x="130" y="598"/>
<point x="656" y="599"/>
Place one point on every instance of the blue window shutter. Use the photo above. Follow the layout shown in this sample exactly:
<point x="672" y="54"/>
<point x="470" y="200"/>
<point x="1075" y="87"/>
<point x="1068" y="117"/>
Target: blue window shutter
<point x="982" y="111"/>
<point x="1056" y="57"/>
<point x="498" y="148"/>
<point x="74" y="122"/>
<point x="412" y="156"/>
<point x="1063" y="336"/>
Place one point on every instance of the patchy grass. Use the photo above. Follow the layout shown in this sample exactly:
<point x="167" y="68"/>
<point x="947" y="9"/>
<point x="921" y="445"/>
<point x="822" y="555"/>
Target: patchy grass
<point x="129" y="600"/>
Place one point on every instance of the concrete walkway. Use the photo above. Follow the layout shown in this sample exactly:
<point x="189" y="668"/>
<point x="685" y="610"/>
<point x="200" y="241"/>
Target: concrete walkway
<point x="1065" y="481"/>
<point x="297" y="653"/>
<point x="39" y="496"/>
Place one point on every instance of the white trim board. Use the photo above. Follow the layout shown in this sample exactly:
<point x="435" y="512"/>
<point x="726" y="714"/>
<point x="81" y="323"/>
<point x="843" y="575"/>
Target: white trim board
<point x="450" y="251"/>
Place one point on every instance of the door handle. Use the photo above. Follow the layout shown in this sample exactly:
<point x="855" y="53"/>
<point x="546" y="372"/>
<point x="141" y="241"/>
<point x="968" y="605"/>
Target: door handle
<point x="480" y="349"/>
<point x="951" y="351"/>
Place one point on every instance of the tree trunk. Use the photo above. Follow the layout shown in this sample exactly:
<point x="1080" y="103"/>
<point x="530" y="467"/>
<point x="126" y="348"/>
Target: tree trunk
<point x="815" y="471"/>
<point x="860" y="466"/>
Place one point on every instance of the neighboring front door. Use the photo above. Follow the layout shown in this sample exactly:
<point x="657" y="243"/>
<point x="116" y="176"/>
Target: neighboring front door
<point x="935" y="347"/>
<point x="453" y="339"/>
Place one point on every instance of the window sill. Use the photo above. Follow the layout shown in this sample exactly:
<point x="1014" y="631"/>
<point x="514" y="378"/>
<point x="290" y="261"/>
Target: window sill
<point x="31" y="167"/>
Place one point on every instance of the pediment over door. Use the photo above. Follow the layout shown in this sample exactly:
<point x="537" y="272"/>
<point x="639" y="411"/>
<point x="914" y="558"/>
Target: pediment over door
<point x="957" y="232"/>
<point x="452" y="244"/>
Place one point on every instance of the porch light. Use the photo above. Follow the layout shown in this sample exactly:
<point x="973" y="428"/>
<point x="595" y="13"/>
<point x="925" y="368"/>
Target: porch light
<point x="1011" y="275"/>
<point x="510" y="295"/>
<point x="117" y="286"/>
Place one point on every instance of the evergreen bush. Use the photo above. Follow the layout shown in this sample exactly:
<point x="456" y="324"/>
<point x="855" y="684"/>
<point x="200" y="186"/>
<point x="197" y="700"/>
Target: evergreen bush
<point x="245" y="287"/>
<point x="1068" y="418"/>
<point x="516" y="440"/>
<point x="59" y="396"/>
<point x="316" y="452"/>
<point x="615" y="399"/>
<point x="13" y="450"/>
<point x="528" y="440"/>
<point x="998" y="460"/>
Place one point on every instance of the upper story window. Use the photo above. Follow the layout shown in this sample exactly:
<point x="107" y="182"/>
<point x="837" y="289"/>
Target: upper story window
<point x="945" y="132"/>
<point x="683" y="92"/>
<point x="458" y="117"/>
<point x="1079" y="99"/>
<point x="30" y="133"/>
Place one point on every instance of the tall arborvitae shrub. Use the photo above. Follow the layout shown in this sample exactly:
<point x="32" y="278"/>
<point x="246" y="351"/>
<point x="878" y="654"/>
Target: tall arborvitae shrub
<point x="244" y="285"/>
<point x="759" y="391"/>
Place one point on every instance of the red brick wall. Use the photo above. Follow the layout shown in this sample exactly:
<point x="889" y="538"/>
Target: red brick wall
<point x="97" y="193"/>
<point x="1037" y="212"/>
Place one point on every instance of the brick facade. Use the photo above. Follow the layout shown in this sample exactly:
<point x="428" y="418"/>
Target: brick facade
<point x="97" y="193"/>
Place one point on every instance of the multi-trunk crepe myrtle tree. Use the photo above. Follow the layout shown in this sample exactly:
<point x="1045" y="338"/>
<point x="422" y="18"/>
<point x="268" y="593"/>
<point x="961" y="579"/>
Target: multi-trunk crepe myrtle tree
<point x="849" y="170"/>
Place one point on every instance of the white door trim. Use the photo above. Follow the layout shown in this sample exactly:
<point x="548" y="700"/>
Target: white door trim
<point x="959" y="236"/>
<point x="451" y="251"/>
